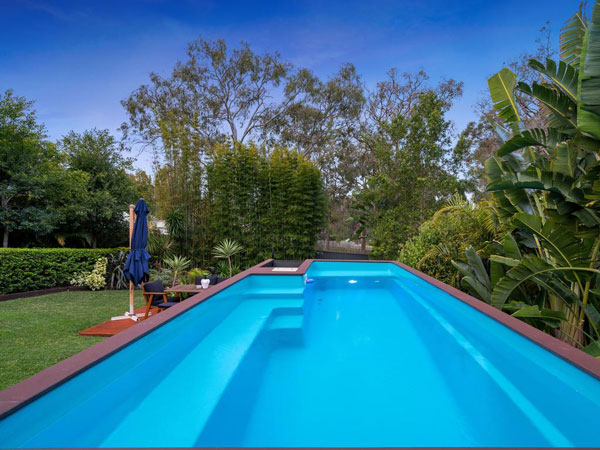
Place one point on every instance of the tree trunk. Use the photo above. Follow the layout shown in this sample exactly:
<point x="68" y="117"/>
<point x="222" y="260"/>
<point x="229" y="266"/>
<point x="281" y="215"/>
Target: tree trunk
<point x="5" y="240"/>
<point x="93" y="240"/>
<point x="363" y="243"/>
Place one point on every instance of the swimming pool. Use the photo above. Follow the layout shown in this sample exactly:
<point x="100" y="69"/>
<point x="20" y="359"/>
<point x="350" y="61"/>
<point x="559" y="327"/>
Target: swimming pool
<point x="346" y="354"/>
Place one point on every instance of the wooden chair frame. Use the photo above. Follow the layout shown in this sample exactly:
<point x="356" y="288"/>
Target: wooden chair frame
<point x="148" y="297"/>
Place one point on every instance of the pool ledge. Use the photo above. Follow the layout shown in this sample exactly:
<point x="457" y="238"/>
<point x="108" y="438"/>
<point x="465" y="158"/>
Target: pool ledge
<point x="17" y="396"/>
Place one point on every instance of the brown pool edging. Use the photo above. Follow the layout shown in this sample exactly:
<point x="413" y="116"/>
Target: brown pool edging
<point x="20" y="394"/>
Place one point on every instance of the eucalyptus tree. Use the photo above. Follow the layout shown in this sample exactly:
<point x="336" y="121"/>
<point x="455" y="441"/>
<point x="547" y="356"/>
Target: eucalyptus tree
<point x="410" y="165"/>
<point x="324" y="124"/>
<point x="216" y="93"/>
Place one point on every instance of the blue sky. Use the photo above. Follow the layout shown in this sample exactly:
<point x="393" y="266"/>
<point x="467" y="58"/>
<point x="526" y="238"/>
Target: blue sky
<point x="78" y="59"/>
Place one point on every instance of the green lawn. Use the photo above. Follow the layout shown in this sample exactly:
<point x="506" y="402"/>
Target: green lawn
<point x="40" y="331"/>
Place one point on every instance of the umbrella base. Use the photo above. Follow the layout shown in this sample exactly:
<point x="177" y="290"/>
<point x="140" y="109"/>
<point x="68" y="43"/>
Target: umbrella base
<point x="128" y="315"/>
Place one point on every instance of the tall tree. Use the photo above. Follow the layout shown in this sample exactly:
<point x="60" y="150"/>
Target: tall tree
<point x="325" y="126"/>
<point x="108" y="190"/>
<point x="216" y="93"/>
<point x="24" y="156"/>
<point x="414" y="168"/>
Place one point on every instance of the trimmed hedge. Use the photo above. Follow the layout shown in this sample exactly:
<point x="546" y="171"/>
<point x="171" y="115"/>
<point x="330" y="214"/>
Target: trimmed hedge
<point x="30" y="269"/>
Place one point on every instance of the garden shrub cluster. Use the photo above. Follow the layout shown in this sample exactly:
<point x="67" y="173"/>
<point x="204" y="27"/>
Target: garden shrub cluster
<point x="445" y="237"/>
<point x="30" y="269"/>
<point x="94" y="280"/>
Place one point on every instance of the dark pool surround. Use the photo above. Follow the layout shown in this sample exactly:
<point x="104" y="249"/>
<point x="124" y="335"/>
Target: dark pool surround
<point x="28" y="390"/>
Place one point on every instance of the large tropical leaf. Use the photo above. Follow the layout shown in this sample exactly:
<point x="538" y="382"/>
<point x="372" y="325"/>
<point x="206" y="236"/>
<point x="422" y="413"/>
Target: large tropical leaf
<point x="561" y="107"/>
<point x="502" y="86"/>
<point x="543" y="137"/>
<point x="560" y="242"/>
<point x="588" y="114"/>
<point x="511" y="247"/>
<point x="544" y="274"/>
<point x="479" y="269"/>
<point x="505" y="260"/>
<point x="547" y="316"/>
<point x="593" y="349"/>
<point x="571" y="38"/>
<point x="565" y="159"/>
<point x="563" y="75"/>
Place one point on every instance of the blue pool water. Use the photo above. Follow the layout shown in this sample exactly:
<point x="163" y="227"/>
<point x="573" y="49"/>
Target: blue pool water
<point x="352" y="354"/>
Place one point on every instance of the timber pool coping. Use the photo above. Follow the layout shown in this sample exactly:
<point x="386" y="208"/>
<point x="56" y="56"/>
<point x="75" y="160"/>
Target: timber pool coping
<point x="17" y="396"/>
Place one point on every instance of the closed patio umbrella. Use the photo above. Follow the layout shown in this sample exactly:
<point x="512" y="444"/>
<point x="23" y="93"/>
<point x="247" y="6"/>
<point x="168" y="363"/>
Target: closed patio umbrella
<point x="136" y="267"/>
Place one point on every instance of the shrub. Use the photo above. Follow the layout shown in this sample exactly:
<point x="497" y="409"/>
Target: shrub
<point x="30" y="269"/>
<point x="445" y="237"/>
<point x="96" y="279"/>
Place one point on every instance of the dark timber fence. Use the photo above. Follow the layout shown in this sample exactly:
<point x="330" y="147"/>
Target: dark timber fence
<point x="323" y="254"/>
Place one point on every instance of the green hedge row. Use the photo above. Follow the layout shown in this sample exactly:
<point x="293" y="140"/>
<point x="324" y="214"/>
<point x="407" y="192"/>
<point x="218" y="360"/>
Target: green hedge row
<point x="30" y="269"/>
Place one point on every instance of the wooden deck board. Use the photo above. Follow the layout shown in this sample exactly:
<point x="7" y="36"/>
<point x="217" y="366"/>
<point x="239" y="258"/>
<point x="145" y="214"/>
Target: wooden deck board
<point x="112" y="327"/>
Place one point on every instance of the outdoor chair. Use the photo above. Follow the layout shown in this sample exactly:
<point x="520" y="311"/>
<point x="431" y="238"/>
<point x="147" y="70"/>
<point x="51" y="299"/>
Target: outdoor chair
<point x="155" y="295"/>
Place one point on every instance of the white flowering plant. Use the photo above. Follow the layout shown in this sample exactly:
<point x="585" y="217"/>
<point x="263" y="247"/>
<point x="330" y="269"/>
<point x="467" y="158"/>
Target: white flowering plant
<point x="95" y="279"/>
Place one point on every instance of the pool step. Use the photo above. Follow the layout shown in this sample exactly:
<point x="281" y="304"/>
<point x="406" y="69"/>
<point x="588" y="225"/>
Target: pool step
<point x="286" y="325"/>
<point x="206" y="371"/>
<point x="275" y="294"/>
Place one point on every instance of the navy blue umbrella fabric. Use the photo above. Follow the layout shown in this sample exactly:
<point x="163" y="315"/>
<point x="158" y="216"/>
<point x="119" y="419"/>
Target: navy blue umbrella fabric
<point x="136" y="267"/>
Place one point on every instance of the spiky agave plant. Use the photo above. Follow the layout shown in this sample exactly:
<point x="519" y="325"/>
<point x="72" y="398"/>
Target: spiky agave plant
<point x="226" y="249"/>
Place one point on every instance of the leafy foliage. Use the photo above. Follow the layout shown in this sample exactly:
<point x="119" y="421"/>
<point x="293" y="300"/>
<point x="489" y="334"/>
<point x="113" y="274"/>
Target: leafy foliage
<point x="415" y="172"/>
<point x="223" y="269"/>
<point x="271" y="205"/>
<point x="116" y="278"/>
<point x="108" y="189"/>
<point x="194" y="273"/>
<point x="453" y="229"/>
<point x="94" y="280"/>
<point x="23" y="270"/>
<point x="177" y="266"/>
<point x="71" y="193"/>
<point x="545" y="192"/>
<point x="159" y="245"/>
<point x="28" y="166"/>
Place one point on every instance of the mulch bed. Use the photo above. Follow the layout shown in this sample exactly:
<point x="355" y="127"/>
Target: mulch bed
<point x="16" y="295"/>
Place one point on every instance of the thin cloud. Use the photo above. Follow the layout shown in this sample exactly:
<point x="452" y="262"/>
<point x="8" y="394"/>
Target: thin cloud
<point x="52" y="10"/>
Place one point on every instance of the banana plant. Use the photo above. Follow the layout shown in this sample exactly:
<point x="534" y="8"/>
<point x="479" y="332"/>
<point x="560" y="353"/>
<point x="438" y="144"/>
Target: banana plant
<point x="544" y="185"/>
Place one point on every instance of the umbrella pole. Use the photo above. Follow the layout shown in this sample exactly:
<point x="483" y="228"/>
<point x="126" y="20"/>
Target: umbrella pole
<point x="131" y="286"/>
<point x="131" y="313"/>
